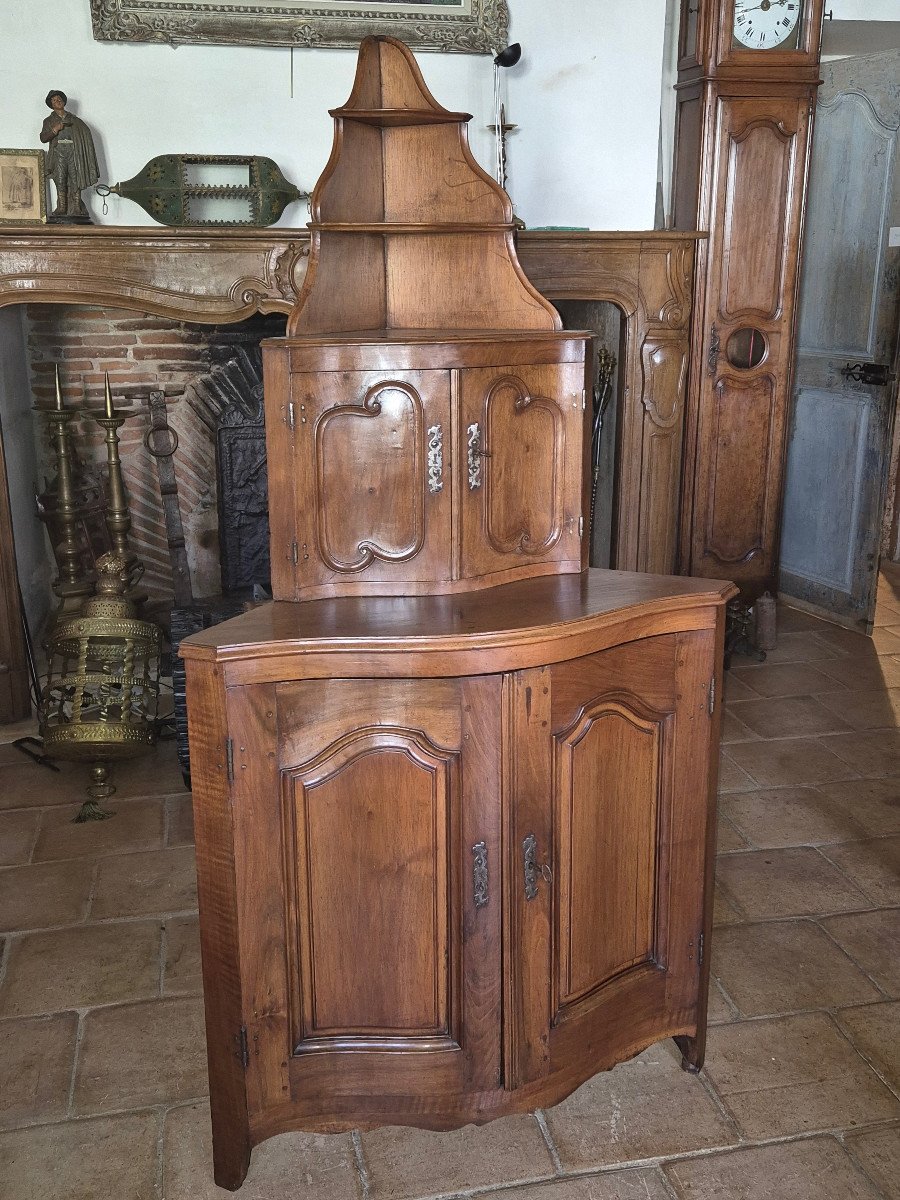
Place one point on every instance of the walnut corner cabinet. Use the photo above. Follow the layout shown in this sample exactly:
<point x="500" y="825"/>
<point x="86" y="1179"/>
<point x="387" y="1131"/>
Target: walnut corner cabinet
<point x="453" y="791"/>
<point x="454" y="852"/>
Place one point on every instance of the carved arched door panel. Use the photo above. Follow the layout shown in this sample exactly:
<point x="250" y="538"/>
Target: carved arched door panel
<point x="520" y="461"/>
<point x="606" y="865"/>
<point x="378" y="806"/>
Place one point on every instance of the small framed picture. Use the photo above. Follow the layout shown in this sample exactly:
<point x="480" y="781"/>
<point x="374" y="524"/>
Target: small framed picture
<point x="23" y="187"/>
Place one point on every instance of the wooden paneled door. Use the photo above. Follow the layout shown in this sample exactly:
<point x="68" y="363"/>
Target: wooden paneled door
<point x="522" y="482"/>
<point x="606" y="873"/>
<point x="373" y="811"/>
<point x="372" y="495"/>
<point x="849" y="306"/>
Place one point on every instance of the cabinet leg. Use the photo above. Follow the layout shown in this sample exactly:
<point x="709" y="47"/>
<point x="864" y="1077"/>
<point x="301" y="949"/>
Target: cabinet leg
<point x="693" y="1052"/>
<point x="231" y="1160"/>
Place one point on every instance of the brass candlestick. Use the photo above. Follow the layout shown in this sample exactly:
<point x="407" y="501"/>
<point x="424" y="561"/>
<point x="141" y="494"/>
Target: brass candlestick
<point x="118" y="518"/>
<point x="70" y="586"/>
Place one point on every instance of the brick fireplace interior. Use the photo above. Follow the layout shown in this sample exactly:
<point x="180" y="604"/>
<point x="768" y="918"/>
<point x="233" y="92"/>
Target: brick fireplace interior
<point x="211" y="377"/>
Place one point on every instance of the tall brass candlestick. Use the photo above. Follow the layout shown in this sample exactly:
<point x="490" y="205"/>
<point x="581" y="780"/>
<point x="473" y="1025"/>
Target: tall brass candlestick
<point x="118" y="518"/>
<point x="71" y="588"/>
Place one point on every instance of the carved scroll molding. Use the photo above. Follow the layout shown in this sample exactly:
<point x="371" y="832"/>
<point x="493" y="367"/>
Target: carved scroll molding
<point x="341" y="501"/>
<point x="513" y="419"/>
<point x="664" y="360"/>
<point x="481" y="29"/>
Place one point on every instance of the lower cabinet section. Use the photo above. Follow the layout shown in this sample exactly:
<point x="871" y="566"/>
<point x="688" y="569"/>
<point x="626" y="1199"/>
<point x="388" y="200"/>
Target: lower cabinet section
<point x="461" y="897"/>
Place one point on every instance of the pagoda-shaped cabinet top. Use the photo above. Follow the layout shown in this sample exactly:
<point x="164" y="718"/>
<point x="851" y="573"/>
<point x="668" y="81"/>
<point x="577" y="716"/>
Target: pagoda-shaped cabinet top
<point x="408" y="232"/>
<point x="426" y="416"/>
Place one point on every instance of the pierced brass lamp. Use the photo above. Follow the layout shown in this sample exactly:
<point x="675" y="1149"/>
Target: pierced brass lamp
<point x="100" y="700"/>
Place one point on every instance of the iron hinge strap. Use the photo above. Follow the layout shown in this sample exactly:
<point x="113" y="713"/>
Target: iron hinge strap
<point x="243" y="1047"/>
<point x="229" y="759"/>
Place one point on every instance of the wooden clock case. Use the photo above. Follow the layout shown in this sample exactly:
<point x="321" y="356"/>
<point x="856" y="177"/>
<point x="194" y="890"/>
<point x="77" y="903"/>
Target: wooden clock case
<point x="743" y="130"/>
<point x="453" y="792"/>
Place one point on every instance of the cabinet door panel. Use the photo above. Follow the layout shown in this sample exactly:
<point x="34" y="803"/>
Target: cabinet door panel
<point x="615" y="916"/>
<point x="373" y="503"/>
<point x="381" y="802"/>
<point x="520" y="466"/>
<point x="386" y="799"/>
<point x="608" y="767"/>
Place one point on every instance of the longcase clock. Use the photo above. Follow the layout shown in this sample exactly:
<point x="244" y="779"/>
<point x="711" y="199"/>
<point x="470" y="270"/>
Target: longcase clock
<point x="747" y="77"/>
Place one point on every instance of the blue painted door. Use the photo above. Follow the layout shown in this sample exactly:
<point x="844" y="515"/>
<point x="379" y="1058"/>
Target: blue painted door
<point x="839" y="450"/>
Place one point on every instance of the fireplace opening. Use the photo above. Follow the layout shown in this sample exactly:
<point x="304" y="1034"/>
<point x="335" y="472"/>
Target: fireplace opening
<point x="192" y="448"/>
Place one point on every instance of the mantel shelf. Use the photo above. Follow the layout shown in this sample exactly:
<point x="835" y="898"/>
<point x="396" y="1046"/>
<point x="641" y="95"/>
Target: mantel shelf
<point x="449" y="227"/>
<point x="214" y="276"/>
<point x="387" y="118"/>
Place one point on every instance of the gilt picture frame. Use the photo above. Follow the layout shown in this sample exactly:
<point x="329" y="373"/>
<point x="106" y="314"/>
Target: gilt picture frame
<point x="23" y="187"/>
<point x="461" y="26"/>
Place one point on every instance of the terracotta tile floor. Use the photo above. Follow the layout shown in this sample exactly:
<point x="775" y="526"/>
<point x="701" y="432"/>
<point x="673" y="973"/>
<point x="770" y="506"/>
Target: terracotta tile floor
<point x="102" y="1070"/>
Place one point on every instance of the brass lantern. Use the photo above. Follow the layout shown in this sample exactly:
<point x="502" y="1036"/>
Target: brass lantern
<point x="100" y="700"/>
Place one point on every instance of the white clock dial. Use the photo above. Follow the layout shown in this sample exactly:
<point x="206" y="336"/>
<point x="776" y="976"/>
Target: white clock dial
<point x="763" y="24"/>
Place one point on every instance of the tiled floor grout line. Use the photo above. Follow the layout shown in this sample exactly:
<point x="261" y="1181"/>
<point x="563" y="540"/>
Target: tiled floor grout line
<point x="362" y="1169"/>
<point x="842" y="1138"/>
<point x="666" y="1184"/>
<point x="837" y="867"/>
<point x="163" y="953"/>
<point x="5" y="951"/>
<point x="79" y="1034"/>
<point x="95" y="878"/>
<point x="818" y="922"/>
<point x="722" y="1105"/>
<point x="125" y="852"/>
<point x="100" y="922"/>
<point x="893" y="1088"/>
<point x="160" y="1154"/>
<point x="548" y="1140"/>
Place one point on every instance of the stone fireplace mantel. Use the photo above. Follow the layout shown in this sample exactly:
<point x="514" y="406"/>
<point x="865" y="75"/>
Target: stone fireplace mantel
<point x="221" y="276"/>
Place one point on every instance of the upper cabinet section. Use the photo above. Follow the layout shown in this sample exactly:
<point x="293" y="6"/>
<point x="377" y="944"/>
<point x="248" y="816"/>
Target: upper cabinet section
<point x="408" y="232"/>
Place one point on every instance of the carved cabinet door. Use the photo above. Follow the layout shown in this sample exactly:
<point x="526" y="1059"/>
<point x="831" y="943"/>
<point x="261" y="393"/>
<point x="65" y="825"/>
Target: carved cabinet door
<point x="611" y="807"/>
<point x="370" y="477"/>
<point x="520" y="466"/>
<point x="368" y="850"/>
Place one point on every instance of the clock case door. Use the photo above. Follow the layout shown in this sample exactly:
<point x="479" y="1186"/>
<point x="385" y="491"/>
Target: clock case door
<point x="609" y="924"/>
<point x="367" y="851"/>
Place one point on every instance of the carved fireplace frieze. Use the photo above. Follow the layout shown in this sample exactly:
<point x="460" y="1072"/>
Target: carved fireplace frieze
<point x="218" y="276"/>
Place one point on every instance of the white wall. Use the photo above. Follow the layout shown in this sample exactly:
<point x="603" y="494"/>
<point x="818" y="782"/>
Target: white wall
<point x="864" y="10"/>
<point x="586" y="96"/>
<point x="17" y="422"/>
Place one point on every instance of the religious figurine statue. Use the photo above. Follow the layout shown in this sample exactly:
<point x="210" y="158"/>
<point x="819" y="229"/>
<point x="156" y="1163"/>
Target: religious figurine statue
<point x="71" y="160"/>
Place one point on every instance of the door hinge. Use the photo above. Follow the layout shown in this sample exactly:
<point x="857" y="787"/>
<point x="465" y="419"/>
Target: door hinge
<point x="229" y="759"/>
<point x="583" y="399"/>
<point x="711" y="696"/>
<point x="242" y="1047"/>
<point x="581" y="526"/>
<point x="700" y="950"/>
<point x="295" y="553"/>
<point x="290" y="416"/>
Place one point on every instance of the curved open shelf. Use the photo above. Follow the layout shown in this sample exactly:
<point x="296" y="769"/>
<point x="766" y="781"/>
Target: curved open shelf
<point x="407" y="229"/>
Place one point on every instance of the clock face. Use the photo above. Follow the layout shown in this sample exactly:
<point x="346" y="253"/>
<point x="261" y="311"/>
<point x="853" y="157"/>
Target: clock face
<point x="766" y="24"/>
